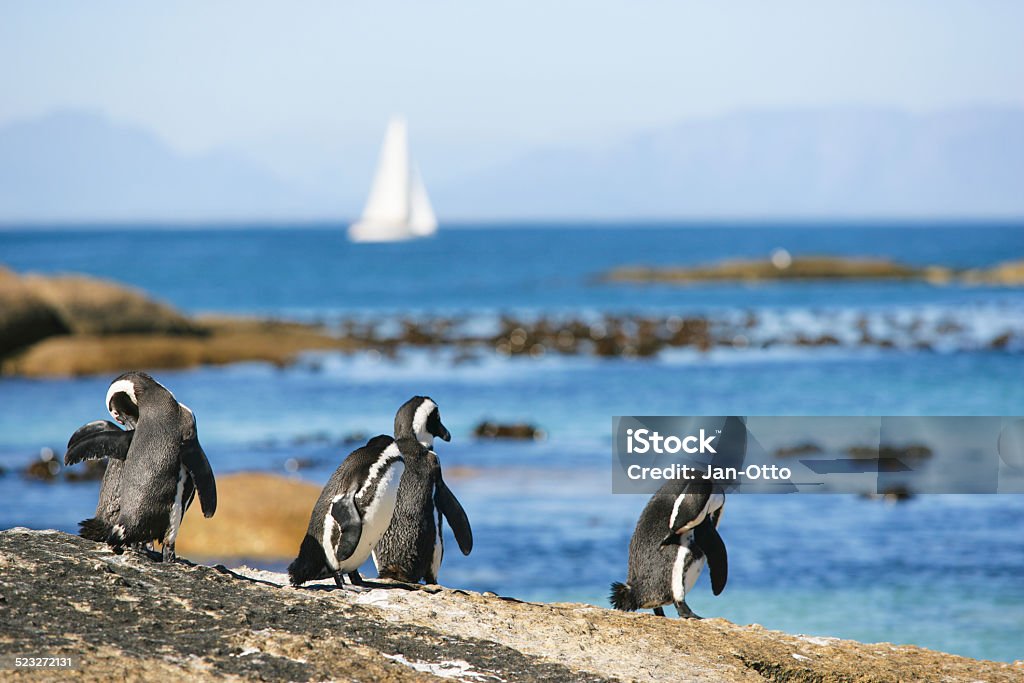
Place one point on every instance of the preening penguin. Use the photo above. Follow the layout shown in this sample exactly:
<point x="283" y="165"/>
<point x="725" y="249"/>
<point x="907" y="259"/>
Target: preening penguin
<point x="677" y="533"/>
<point x="413" y="546"/>
<point x="354" y="509"/>
<point x="154" y="467"/>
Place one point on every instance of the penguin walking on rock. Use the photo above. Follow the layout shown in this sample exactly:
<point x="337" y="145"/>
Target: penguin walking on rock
<point x="154" y="467"/>
<point x="412" y="548"/>
<point x="354" y="508"/>
<point x="676" y="535"/>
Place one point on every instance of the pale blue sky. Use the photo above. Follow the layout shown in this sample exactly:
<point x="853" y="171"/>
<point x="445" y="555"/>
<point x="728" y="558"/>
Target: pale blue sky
<point x="304" y="89"/>
<point x="204" y="74"/>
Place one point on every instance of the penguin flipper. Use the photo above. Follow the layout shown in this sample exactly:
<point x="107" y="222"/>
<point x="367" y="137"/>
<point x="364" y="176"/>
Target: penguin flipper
<point x="449" y="506"/>
<point x="706" y="536"/>
<point x="347" y="516"/>
<point x="194" y="459"/>
<point x="98" y="440"/>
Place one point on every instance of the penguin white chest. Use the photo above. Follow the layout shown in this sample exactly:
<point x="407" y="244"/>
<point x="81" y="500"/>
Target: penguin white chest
<point x="685" y="570"/>
<point x="177" y="507"/>
<point x="435" y="560"/>
<point x="376" y="517"/>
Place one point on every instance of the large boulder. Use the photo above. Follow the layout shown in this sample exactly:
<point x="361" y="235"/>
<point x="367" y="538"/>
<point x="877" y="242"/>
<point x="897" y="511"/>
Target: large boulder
<point x="128" y="617"/>
<point x="92" y="306"/>
<point x="25" y="317"/>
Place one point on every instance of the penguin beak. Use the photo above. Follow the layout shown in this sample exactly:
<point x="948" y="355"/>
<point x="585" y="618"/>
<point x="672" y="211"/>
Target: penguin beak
<point x="671" y="539"/>
<point x="126" y="420"/>
<point x="445" y="434"/>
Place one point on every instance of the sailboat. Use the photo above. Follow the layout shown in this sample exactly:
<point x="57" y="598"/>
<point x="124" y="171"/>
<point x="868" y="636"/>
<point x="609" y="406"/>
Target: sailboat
<point x="398" y="207"/>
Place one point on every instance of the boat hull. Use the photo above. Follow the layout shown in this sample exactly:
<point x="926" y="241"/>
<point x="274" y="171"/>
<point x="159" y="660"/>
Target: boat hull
<point x="365" y="231"/>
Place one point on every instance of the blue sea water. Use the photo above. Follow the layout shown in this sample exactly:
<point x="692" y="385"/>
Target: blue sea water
<point x="939" y="571"/>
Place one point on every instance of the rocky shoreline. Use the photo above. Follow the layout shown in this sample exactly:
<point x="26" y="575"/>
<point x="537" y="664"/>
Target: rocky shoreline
<point x="126" y="616"/>
<point x="68" y="326"/>
<point x="782" y="267"/>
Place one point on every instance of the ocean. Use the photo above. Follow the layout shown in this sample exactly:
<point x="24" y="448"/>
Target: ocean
<point x="940" y="571"/>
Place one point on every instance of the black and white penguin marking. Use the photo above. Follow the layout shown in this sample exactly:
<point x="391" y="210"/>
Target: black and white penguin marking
<point x="677" y="533"/>
<point x="413" y="546"/>
<point x="154" y="467"/>
<point x="350" y="516"/>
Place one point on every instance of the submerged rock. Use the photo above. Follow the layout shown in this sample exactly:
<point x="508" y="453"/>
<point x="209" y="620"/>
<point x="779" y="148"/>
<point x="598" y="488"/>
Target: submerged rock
<point x="515" y="430"/>
<point x="798" y="450"/>
<point x="44" y="467"/>
<point x="125" y="616"/>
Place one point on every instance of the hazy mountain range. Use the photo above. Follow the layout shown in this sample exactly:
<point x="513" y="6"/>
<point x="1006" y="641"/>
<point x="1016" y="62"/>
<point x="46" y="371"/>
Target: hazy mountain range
<point x="74" y="166"/>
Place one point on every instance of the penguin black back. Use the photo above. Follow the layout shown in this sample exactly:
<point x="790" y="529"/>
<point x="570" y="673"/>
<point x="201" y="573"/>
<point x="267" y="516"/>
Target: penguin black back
<point x="160" y="465"/>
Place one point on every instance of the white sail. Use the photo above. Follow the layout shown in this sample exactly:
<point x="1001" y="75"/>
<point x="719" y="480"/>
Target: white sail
<point x="398" y="207"/>
<point x="422" y="221"/>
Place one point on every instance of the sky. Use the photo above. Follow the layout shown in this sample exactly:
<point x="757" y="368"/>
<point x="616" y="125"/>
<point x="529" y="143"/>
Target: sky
<point x="297" y="86"/>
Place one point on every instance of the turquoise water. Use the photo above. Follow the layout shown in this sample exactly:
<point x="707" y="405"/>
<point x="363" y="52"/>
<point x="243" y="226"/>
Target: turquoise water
<point x="938" y="571"/>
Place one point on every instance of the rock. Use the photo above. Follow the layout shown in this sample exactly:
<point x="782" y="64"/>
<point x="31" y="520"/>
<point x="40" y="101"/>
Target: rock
<point x="259" y="517"/>
<point x="45" y="467"/>
<point x="134" y="618"/>
<point x="25" y="318"/>
<point x="1001" y="342"/>
<point x="516" y="430"/>
<point x="1007" y="274"/>
<point x="227" y="341"/>
<point x="91" y="306"/>
<point x="73" y="325"/>
<point x="90" y="470"/>
<point x="798" y="450"/>
<point x="798" y="268"/>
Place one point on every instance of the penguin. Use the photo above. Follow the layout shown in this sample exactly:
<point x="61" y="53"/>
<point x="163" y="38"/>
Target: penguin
<point x="663" y="567"/>
<point x="412" y="548"/>
<point x="154" y="467"/>
<point x="354" y="508"/>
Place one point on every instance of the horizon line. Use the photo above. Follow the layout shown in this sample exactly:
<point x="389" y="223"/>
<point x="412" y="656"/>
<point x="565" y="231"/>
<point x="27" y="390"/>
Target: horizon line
<point x="532" y="223"/>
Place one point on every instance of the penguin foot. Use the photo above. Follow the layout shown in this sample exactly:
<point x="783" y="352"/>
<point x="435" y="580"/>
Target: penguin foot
<point x="357" y="582"/>
<point x="685" y="612"/>
<point x="168" y="554"/>
<point x="357" y="589"/>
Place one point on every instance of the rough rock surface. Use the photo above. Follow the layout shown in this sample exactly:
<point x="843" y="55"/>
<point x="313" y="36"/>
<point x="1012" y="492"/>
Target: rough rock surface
<point x="88" y="305"/>
<point x="25" y="317"/>
<point x="129" y="617"/>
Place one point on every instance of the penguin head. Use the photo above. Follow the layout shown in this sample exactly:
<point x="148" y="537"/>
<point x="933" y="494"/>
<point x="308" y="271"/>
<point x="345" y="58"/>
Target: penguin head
<point x="128" y="392"/>
<point x="420" y="418"/>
